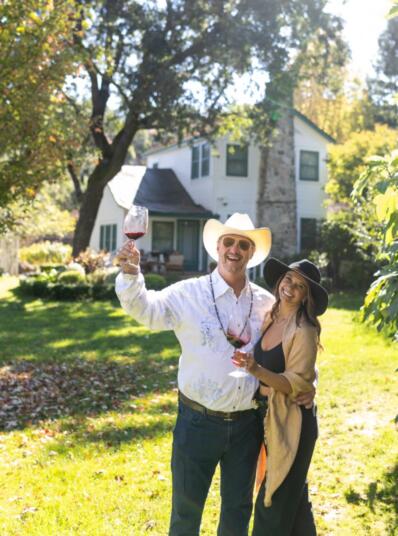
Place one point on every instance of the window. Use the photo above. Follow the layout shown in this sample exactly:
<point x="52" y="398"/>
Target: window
<point x="237" y="160"/>
<point x="163" y="236"/>
<point x="205" y="162"/>
<point x="308" y="227"/>
<point x="108" y="237"/>
<point x="309" y="166"/>
<point x="200" y="161"/>
<point x="195" y="165"/>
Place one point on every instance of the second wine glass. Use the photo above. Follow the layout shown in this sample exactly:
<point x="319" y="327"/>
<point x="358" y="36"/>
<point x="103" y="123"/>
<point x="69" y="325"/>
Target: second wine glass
<point x="238" y="337"/>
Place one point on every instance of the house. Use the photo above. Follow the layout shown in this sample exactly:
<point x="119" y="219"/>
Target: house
<point x="185" y="184"/>
<point x="175" y="220"/>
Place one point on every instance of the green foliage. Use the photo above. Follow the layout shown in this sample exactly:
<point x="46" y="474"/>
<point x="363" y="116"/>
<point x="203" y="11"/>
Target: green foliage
<point x="384" y="85"/>
<point x="378" y="186"/>
<point x="36" y="54"/>
<point x="92" y="260"/>
<point x="348" y="160"/>
<point x="155" y="281"/>
<point x="351" y="265"/>
<point x="339" y="109"/>
<point x="46" y="253"/>
<point x="71" y="277"/>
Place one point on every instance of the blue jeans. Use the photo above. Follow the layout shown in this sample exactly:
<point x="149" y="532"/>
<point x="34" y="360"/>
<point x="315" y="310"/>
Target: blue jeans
<point x="200" y="442"/>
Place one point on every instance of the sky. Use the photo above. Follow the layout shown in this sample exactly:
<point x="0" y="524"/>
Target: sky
<point x="365" y="21"/>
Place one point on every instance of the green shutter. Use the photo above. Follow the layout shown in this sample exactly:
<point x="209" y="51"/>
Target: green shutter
<point x="195" y="154"/>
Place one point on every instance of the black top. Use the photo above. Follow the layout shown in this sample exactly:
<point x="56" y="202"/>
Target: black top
<point x="273" y="359"/>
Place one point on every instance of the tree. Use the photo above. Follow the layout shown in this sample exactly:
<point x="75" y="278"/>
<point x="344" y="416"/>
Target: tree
<point x="378" y="186"/>
<point x="170" y="65"/>
<point x="347" y="161"/>
<point x="35" y="55"/>
<point x="156" y="58"/>
<point x="384" y="86"/>
<point x="339" y="109"/>
<point x="164" y="66"/>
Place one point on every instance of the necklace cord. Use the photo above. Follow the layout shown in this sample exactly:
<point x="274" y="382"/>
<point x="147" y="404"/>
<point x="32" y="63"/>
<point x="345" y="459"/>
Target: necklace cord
<point x="218" y="314"/>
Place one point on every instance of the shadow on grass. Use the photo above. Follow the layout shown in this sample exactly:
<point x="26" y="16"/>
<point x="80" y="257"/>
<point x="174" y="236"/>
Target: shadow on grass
<point x="113" y="435"/>
<point x="76" y="359"/>
<point x="351" y="301"/>
<point x="380" y="492"/>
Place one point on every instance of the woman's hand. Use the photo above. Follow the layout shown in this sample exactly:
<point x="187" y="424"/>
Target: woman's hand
<point x="245" y="360"/>
<point x="128" y="258"/>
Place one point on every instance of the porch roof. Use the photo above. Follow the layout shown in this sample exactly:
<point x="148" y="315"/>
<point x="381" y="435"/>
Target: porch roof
<point x="157" y="189"/>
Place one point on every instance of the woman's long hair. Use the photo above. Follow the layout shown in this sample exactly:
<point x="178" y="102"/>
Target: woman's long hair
<point x="306" y="309"/>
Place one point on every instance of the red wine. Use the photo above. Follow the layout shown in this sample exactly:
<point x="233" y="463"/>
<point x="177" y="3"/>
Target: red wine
<point x="236" y="341"/>
<point x="134" y="236"/>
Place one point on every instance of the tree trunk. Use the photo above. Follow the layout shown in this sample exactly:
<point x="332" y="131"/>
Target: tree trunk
<point x="105" y="170"/>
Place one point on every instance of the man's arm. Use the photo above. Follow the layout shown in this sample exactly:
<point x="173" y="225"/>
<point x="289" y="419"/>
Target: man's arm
<point x="156" y="310"/>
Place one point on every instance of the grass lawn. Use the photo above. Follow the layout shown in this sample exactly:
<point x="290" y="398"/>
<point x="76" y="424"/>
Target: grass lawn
<point x="87" y="405"/>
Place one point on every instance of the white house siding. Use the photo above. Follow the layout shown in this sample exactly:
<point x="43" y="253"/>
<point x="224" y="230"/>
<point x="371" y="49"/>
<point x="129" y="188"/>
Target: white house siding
<point x="310" y="195"/>
<point x="179" y="160"/>
<point x="109" y="213"/>
<point x="221" y="194"/>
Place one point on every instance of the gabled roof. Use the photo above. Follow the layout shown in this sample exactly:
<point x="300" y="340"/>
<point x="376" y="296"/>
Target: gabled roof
<point x="311" y="124"/>
<point x="188" y="141"/>
<point x="157" y="189"/>
<point x="125" y="184"/>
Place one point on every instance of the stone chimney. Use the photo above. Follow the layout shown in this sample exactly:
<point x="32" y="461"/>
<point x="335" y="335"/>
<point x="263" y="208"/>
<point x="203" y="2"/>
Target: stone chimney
<point x="276" y="202"/>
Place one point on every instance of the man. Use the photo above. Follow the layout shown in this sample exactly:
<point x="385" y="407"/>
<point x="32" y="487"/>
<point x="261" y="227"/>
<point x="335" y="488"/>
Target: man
<point x="217" y="422"/>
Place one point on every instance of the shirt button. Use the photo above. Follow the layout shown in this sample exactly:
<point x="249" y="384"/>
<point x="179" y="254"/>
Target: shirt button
<point x="239" y="387"/>
<point x="233" y="407"/>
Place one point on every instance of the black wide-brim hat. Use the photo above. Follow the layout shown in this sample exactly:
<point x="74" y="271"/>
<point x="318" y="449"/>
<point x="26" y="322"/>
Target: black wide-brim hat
<point x="274" y="269"/>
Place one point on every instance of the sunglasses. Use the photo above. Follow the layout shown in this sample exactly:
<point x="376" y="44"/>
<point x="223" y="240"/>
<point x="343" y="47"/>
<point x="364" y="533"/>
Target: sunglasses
<point x="228" y="242"/>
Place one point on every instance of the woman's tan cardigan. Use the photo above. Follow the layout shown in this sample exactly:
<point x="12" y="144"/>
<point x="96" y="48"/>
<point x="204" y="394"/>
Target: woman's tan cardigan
<point x="282" y="422"/>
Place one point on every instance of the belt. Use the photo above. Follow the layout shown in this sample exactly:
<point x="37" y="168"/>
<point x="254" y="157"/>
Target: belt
<point x="225" y="415"/>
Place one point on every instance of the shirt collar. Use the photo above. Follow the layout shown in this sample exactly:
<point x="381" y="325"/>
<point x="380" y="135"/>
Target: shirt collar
<point x="220" y="286"/>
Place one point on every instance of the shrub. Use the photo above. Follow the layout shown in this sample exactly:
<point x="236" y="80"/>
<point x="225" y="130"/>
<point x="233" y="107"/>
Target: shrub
<point x="155" y="281"/>
<point x="46" y="253"/>
<point x="91" y="260"/>
<point x="60" y="291"/>
<point x="103" y="292"/>
<point x="71" y="277"/>
<point x="103" y="276"/>
<point x="37" y="285"/>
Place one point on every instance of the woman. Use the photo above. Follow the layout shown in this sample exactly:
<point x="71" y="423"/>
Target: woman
<point x="284" y="363"/>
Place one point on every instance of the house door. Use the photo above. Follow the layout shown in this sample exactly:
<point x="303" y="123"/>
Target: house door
<point x="188" y="243"/>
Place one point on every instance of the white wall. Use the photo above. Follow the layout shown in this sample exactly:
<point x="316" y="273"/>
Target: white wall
<point x="310" y="194"/>
<point x="218" y="192"/>
<point x="109" y="213"/>
<point x="224" y="195"/>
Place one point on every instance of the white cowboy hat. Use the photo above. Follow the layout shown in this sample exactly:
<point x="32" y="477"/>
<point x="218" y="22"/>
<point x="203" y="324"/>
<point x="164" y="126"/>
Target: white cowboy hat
<point x="237" y="224"/>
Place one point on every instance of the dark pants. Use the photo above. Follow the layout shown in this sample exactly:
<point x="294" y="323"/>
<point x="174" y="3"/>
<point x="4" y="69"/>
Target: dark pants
<point x="290" y="513"/>
<point x="201" y="442"/>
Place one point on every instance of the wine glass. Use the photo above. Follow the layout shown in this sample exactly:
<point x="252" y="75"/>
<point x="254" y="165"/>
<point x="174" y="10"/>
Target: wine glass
<point x="136" y="222"/>
<point x="238" y="336"/>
